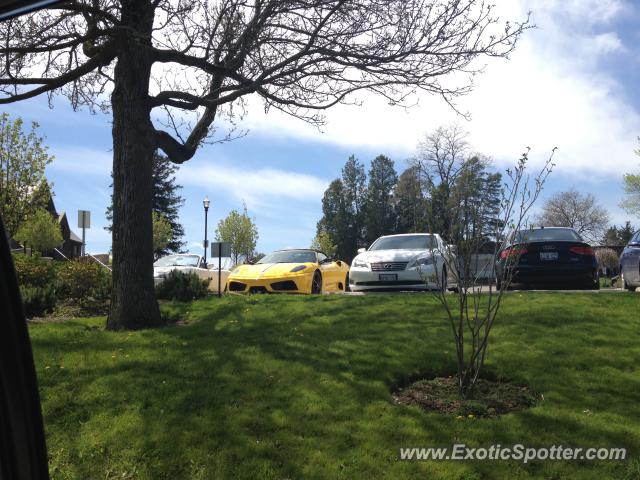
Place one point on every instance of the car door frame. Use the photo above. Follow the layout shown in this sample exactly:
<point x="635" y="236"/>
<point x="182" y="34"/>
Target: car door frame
<point x="23" y="453"/>
<point x="330" y="272"/>
<point x="630" y="260"/>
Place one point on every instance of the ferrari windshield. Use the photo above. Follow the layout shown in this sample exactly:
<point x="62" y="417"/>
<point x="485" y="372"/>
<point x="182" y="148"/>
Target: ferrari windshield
<point x="178" y="261"/>
<point x="290" y="256"/>
<point x="405" y="242"/>
<point x="547" y="235"/>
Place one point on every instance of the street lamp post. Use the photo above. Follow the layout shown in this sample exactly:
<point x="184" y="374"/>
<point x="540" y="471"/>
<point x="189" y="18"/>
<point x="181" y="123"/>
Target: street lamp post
<point x="205" y="202"/>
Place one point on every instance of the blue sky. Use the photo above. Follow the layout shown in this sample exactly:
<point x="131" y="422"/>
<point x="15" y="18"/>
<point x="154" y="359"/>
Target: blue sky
<point x="570" y="84"/>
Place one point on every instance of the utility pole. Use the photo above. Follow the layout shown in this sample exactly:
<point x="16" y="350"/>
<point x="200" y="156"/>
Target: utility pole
<point x="205" y="203"/>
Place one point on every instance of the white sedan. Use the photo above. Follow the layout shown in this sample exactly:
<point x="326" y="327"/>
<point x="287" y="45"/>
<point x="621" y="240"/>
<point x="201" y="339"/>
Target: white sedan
<point x="630" y="264"/>
<point x="187" y="262"/>
<point x="417" y="261"/>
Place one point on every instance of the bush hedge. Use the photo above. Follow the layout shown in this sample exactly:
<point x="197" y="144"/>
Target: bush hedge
<point x="34" y="271"/>
<point x="181" y="286"/>
<point x="38" y="301"/>
<point x="80" y="281"/>
<point x="43" y="282"/>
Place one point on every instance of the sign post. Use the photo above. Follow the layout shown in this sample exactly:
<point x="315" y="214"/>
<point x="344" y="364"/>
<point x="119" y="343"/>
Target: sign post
<point x="220" y="249"/>
<point x="84" y="222"/>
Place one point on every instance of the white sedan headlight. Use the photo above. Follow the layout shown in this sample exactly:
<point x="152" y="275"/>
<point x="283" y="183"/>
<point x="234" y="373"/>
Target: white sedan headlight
<point x="424" y="261"/>
<point x="358" y="263"/>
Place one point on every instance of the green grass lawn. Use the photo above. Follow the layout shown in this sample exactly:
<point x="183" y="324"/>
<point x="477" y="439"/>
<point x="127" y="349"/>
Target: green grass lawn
<point x="286" y="387"/>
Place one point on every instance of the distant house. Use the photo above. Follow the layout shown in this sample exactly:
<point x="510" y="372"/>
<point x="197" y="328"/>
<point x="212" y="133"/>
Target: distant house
<point x="71" y="244"/>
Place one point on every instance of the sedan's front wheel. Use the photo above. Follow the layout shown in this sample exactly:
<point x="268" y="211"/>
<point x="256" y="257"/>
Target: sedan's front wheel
<point x="443" y="281"/>
<point x="625" y="285"/>
<point x="316" y="283"/>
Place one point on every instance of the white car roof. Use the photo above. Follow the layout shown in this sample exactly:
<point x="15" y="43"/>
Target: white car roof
<point x="409" y="235"/>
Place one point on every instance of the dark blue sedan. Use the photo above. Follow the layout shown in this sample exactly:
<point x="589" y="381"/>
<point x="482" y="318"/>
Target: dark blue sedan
<point x="630" y="264"/>
<point x="548" y="257"/>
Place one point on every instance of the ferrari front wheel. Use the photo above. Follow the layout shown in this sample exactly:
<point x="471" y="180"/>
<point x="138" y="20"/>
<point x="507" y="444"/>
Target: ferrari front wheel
<point x="316" y="283"/>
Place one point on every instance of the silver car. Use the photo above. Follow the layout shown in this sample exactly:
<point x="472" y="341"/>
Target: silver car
<point x="417" y="261"/>
<point x="630" y="264"/>
<point x="193" y="263"/>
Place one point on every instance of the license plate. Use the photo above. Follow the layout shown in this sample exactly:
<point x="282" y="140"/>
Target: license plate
<point x="388" y="277"/>
<point x="548" y="255"/>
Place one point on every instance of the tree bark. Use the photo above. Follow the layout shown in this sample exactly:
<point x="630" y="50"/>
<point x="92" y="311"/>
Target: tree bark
<point x="133" y="299"/>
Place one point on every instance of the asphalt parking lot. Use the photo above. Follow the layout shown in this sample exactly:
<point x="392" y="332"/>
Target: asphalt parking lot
<point x="485" y="289"/>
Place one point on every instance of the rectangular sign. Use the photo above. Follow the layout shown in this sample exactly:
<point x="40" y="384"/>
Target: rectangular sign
<point x="220" y="249"/>
<point x="84" y="219"/>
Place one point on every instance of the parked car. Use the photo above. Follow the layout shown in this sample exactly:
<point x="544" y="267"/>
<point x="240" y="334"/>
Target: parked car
<point x="630" y="264"/>
<point x="187" y="262"/>
<point x="417" y="261"/>
<point x="548" y="257"/>
<point x="290" y="271"/>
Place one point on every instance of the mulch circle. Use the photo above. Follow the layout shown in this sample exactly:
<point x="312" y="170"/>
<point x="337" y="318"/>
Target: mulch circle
<point x="489" y="398"/>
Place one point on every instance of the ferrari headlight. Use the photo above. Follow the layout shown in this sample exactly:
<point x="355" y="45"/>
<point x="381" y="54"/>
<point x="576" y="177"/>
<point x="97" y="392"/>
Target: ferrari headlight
<point x="298" y="268"/>
<point x="236" y="269"/>
<point x="424" y="261"/>
<point x="358" y="263"/>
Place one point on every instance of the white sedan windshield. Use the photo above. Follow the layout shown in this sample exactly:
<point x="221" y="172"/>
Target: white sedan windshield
<point x="405" y="242"/>
<point x="178" y="261"/>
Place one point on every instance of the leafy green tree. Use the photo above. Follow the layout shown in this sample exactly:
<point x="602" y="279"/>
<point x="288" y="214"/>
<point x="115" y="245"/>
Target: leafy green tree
<point x="631" y="203"/>
<point x="40" y="231"/>
<point x="23" y="159"/>
<point x="240" y="230"/>
<point x="257" y="256"/>
<point x="162" y="234"/>
<point x="166" y="202"/>
<point x="378" y="212"/>
<point x="324" y="243"/>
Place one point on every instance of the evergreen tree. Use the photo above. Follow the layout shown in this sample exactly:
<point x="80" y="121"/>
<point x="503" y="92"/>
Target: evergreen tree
<point x="618" y="236"/>
<point x="410" y="203"/>
<point x="335" y="221"/>
<point x="475" y="202"/>
<point x="166" y="202"/>
<point x="378" y="212"/>
<point x="354" y="181"/>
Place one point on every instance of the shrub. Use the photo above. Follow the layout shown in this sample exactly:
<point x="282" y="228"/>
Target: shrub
<point x="79" y="281"/>
<point x="607" y="258"/>
<point x="33" y="271"/>
<point x="41" y="231"/>
<point x="181" y="286"/>
<point x="38" y="300"/>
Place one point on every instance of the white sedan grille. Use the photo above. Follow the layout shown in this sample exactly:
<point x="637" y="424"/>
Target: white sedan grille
<point x="388" y="266"/>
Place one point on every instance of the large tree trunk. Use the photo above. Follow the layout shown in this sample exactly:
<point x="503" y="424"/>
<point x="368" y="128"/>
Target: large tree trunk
<point x="133" y="299"/>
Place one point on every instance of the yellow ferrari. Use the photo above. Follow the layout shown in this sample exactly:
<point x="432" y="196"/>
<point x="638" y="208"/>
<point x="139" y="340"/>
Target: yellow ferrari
<point x="290" y="271"/>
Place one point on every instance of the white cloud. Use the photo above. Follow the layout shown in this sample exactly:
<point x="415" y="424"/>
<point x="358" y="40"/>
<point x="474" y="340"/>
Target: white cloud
<point x="82" y="160"/>
<point x="581" y="11"/>
<point x="259" y="188"/>
<point x="550" y="93"/>
<point x="607" y="43"/>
